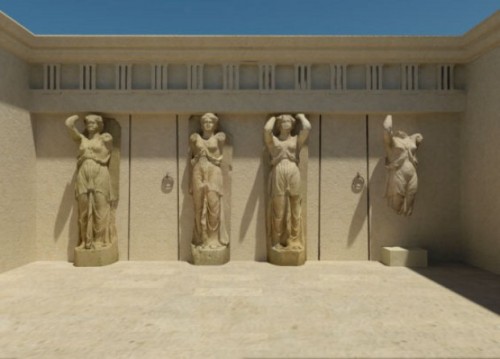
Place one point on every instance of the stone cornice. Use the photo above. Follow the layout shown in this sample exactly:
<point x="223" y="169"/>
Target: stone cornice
<point x="240" y="49"/>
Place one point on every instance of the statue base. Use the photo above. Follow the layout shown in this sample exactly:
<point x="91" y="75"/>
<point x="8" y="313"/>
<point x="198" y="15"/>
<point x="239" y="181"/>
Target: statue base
<point x="283" y="256"/>
<point x="97" y="257"/>
<point x="404" y="257"/>
<point x="210" y="256"/>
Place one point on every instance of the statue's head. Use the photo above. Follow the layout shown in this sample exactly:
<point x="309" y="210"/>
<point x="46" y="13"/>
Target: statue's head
<point x="285" y="123"/>
<point x="93" y="123"/>
<point x="209" y="122"/>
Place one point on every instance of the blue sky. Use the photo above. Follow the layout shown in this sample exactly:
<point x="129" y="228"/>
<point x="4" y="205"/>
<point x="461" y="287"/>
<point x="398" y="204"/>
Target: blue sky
<point x="258" y="17"/>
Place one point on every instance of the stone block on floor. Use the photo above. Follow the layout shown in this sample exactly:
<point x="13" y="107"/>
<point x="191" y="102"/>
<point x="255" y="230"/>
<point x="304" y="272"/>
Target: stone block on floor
<point x="404" y="257"/>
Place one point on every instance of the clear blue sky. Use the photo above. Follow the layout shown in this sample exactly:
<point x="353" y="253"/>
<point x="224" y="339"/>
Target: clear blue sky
<point x="244" y="17"/>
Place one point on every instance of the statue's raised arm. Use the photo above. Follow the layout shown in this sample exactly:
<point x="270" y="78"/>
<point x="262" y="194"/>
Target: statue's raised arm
<point x="306" y="128"/>
<point x="268" y="131"/>
<point x="73" y="131"/>
<point x="388" y="133"/>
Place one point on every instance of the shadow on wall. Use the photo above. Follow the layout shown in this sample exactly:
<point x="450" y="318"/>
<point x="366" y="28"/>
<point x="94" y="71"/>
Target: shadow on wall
<point x="256" y="200"/>
<point x="359" y="217"/>
<point x="67" y="209"/>
<point x="386" y="227"/>
<point x="476" y="285"/>
<point x="364" y="204"/>
<point x="186" y="215"/>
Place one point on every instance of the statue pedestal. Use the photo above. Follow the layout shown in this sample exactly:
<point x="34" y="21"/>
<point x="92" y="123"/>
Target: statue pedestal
<point x="404" y="257"/>
<point x="97" y="257"/>
<point x="283" y="256"/>
<point x="210" y="256"/>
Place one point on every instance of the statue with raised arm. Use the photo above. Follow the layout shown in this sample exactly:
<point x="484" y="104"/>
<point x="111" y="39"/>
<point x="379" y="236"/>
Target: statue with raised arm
<point x="286" y="242"/>
<point x="210" y="243"/>
<point x="94" y="192"/>
<point x="401" y="163"/>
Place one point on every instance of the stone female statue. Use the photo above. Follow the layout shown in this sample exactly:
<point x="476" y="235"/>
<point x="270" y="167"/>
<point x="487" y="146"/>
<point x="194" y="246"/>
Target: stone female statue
<point x="94" y="193"/>
<point x="401" y="163"/>
<point x="285" y="230"/>
<point x="209" y="244"/>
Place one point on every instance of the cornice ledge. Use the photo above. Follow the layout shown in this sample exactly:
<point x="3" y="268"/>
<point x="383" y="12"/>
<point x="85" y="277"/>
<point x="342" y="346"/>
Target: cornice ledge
<point x="14" y="37"/>
<point x="482" y="38"/>
<point x="32" y="48"/>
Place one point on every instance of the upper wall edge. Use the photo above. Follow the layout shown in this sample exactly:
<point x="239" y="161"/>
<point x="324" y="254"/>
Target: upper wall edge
<point x="32" y="48"/>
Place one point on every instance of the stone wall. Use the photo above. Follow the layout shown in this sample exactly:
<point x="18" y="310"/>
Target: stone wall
<point x="341" y="224"/>
<point x="479" y="165"/>
<point x="444" y="87"/>
<point x="18" y="166"/>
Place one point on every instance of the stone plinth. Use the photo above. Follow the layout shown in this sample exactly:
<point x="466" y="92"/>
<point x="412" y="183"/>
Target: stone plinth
<point x="283" y="256"/>
<point x="210" y="256"/>
<point x="97" y="257"/>
<point x="404" y="257"/>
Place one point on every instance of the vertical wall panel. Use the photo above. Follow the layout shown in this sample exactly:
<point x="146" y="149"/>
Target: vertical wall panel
<point x="479" y="161"/>
<point x="343" y="212"/>
<point x="153" y="213"/>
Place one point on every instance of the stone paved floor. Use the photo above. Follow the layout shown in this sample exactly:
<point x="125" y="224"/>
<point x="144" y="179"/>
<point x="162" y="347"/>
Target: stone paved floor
<point x="248" y="310"/>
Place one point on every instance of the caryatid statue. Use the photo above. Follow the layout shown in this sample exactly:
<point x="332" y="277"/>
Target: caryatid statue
<point x="97" y="199"/>
<point x="209" y="243"/>
<point x="286" y="241"/>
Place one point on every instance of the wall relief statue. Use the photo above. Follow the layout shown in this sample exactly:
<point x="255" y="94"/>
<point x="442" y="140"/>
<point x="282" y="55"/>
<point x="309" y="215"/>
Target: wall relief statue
<point x="285" y="225"/>
<point x="210" y="243"/>
<point x="96" y="190"/>
<point x="401" y="163"/>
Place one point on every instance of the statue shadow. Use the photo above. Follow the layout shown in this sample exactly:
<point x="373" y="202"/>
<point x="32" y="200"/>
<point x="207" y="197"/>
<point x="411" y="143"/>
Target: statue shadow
<point x="256" y="200"/>
<point x="359" y="217"/>
<point x="365" y="204"/>
<point x="68" y="211"/>
<point x="186" y="217"/>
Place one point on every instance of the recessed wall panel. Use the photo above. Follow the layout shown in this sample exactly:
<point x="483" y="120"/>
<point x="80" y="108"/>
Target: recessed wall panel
<point x="56" y="206"/>
<point x="343" y="211"/>
<point x="153" y="212"/>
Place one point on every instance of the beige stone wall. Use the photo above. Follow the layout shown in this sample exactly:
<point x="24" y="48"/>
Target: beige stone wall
<point x="17" y="163"/>
<point x="480" y="159"/>
<point x="154" y="225"/>
<point x="153" y="214"/>
<point x="457" y="112"/>
<point x="343" y="213"/>
<point x="435" y="223"/>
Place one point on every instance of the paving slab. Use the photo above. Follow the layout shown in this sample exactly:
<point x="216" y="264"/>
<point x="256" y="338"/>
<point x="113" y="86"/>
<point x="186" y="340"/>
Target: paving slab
<point x="248" y="310"/>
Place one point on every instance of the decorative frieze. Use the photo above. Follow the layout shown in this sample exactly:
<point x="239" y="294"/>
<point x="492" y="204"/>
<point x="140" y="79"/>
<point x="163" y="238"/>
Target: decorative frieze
<point x="123" y="77"/>
<point x="242" y="76"/>
<point x="195" y="77"/>
<point x="374" y="77"/>
<point x="409" y="77"/>
<point x="88" y="77"/>
<point x="302" y="77"/>
<point x="159" y="77"/>
<point x="266" y="77"/>
<point x="338" y="78"/>
<point x="445" y="77"/>
<point x="52" y="77"/>
<point x="231" y="76"/>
